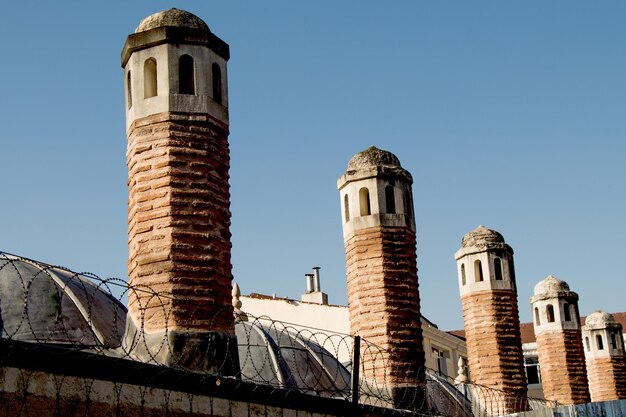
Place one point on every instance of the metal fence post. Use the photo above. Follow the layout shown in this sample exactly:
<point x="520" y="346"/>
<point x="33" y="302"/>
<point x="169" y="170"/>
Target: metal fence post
<point x="356" y="363"/>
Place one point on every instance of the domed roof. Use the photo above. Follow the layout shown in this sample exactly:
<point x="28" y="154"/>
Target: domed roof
<point x="599" y="320"/>
<point x="551" y="285"/>
<point x="373" y="157"/>
<point x="48" y="304"/>
<point x="172" y="17"/>
<point x="271" y="353"/>
<point x="482" y="237"/>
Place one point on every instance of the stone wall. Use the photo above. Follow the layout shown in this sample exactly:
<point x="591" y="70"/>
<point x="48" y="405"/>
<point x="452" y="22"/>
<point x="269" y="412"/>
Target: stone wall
<point x="41" y="394"/>
<point x="604" y="409"/>
<point x="494" y="346"/>
<point x="178" y="223"/>
<point x="383" y="296"/>
<point x="50" y="381"/>
<point x="563" y="371"/>
<point x="607" y="378"/>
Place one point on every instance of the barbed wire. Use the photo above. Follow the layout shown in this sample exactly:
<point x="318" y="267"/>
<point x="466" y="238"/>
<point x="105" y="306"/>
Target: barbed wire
<point x="50" y="310"/>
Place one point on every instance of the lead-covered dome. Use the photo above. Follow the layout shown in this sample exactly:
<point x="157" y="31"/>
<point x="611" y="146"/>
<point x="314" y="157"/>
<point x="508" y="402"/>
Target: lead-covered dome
<point x="271" y="353"/>
<point x="49" y="304"/>
<point x="373" y="157"/>
<point x="172" y="17"/>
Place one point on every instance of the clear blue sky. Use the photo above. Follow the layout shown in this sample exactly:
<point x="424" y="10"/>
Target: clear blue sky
<point x="508" y="114"/>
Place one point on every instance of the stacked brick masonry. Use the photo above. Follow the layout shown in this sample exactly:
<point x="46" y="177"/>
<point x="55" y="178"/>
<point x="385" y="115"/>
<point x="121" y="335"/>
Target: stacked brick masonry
<point x="384" y="305"/>
<point x="562" y="362"/>
<point x="179" y="222"/>
<point x="494" y="346"/>
<point x="607" y="378"/>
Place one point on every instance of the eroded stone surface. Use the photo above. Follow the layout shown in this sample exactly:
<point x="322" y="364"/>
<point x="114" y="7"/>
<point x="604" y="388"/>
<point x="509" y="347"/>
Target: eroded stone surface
<point x="171" y="17"/>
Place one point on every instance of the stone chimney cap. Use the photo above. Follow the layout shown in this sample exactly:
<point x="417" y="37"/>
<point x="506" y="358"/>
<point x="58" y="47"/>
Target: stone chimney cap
<point x="551" y="285"/>
<point x="599" y="320"/>
<point x="174" y="18"/>
<point x="373" y="157"/>
<point x="483" y="237"/>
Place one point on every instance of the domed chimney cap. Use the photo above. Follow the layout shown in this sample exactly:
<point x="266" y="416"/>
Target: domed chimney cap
<point x="599" y="320"/>
<point x="172" y="17"/>
<point x="373" y="157"/>
<point x="482" y="237"/>
<point x="551" y="285"/>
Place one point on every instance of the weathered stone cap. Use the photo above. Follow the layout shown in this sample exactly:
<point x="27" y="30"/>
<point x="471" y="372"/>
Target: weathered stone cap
<point x="552" y="287"/>
<point x="371" y="163"/>
<point x="173" y="26"/>
<point x="174" y="18"/>
<point x="373" y="157"/>
<point x="599" y="320"/>
<point x="481" y="239"/>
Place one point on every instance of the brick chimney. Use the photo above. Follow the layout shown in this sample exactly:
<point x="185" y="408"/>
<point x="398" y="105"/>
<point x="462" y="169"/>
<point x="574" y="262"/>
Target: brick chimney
<point x="383" y="296"/>
<point x="559" y="342"/>
<point x="605" y="357"/>
<point x="486" y="276"/>
<point x="179" y="201"/>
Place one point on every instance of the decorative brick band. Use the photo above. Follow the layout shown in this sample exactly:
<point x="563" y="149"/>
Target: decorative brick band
<point x="383" y="298"/>
<point x="494" y="346"/>
<point x="562" y="362"/>
<point x="607" y="378"/>
<point x="178" y="223"/>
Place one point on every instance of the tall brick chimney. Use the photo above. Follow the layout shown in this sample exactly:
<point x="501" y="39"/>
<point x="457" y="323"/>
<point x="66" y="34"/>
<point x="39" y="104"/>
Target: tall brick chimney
<point x="179" y="267"/>
<point x="606" y="360"/>
<point x="559" y="343"/>
<point x="383" y="294"/>
<point x="486" y="276"/>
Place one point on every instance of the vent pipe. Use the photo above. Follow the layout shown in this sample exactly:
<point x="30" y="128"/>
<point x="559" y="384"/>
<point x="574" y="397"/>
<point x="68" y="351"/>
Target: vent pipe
<point x="316" y="279"/>
<point x="309" y="283"/>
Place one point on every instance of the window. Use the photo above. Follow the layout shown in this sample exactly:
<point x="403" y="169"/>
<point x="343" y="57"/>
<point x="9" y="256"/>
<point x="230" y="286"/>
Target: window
<point x="497" y="265"/>
<point x="537" y="319"/>
<point x="478" y="271"/>
<point x="186" y="81"/>
<point x="129" y="95"/>
<point x="346" y="207"/>
<point x="216" y="72"/>
<point x="587" y="344"/>
<point x="599" y="342"/>
<point x="567" y="312"/>
<point x="149" y="78"/>
<point x="408" y="210"/>
<point x="532" y="370"/>
<point x="462" y="274"/>
<point x="442" y="364"/>
<point x="512" y="273"/>
<point x="550" y="313"/>
<point x="613" y="341"/>
<point x="390" y="199"/>
<point x="364" y="200"/>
